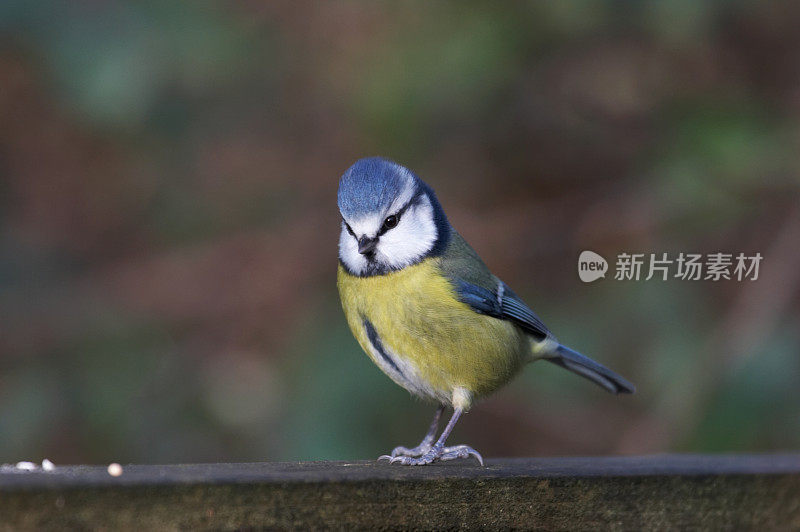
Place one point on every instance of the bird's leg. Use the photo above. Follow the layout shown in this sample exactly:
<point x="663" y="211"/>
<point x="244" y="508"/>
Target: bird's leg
<point x="439" y="451"/>
<point x="426" y="443"/>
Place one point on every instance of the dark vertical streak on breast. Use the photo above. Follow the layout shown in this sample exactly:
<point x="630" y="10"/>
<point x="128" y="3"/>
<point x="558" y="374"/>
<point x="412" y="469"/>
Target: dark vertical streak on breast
<point x="375" y="340"/>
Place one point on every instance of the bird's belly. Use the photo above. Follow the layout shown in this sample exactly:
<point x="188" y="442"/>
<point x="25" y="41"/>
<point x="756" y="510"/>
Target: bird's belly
<point x="414" y="328"/>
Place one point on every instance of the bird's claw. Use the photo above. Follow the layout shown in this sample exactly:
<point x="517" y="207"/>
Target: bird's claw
<point x="461" y="451"/>
<point x="417" y="451"/>
<point x="433" y="454"/>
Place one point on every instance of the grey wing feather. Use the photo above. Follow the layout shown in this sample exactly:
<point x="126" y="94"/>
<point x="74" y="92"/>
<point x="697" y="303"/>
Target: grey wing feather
<point x="516" y="310"/>
<point x="502" y="303"/>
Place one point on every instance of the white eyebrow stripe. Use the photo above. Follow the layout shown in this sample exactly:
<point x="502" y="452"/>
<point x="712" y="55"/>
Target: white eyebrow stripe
<point x="402" y="200"/>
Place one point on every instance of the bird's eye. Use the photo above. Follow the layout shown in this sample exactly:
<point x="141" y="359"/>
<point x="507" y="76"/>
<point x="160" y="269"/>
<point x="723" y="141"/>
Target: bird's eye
<point x="389" y="222"/>
<point x="349" y="229"/>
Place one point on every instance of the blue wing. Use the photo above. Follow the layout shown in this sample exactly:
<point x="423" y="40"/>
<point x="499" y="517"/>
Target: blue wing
<point x="502" y="303"/>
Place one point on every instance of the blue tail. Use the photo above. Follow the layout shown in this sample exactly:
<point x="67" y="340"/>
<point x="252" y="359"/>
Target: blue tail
<point x="589" y="369"/>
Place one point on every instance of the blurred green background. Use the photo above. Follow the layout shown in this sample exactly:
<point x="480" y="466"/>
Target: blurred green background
<point x="169" y="222"/>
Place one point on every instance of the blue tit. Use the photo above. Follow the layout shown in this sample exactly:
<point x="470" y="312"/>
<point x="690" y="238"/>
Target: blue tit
<point x="427" y="310"/>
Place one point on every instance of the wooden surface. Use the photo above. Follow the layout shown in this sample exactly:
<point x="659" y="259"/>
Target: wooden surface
<point x="653" y="492"/>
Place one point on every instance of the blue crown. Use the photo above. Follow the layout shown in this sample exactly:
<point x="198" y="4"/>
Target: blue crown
<point x="371" y="185"/>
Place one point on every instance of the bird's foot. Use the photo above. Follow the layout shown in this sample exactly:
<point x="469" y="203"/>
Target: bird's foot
<point x="433" y="454"/>
<point x="419" y="450"/>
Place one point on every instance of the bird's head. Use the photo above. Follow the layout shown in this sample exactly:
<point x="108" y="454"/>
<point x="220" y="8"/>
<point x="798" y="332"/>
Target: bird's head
<point x="390" y="218"/>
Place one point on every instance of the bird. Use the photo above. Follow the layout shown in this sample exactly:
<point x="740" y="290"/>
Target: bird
<point x="426" y="309"/>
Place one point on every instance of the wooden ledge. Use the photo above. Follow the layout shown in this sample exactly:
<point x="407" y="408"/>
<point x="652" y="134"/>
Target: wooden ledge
<point x="652" y="492"/>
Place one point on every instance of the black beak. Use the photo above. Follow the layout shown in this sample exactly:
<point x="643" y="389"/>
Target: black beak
<point x="366" y="245"/>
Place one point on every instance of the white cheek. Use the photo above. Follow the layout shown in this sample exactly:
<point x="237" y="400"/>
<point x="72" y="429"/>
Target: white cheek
<point x="413" y="237"/>
<point x="348" y="253"/>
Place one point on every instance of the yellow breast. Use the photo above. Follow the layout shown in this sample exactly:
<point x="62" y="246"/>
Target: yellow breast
<point x="436" y="344"/>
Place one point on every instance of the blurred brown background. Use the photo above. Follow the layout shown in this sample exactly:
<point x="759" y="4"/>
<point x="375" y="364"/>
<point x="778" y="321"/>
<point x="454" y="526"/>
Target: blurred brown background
<point x="169" y="226"/>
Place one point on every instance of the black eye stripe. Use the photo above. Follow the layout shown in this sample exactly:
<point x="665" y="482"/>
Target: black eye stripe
<point x="390" y="222"/>
<point x="349" y="229"/>
<point x="397" y="215"/>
